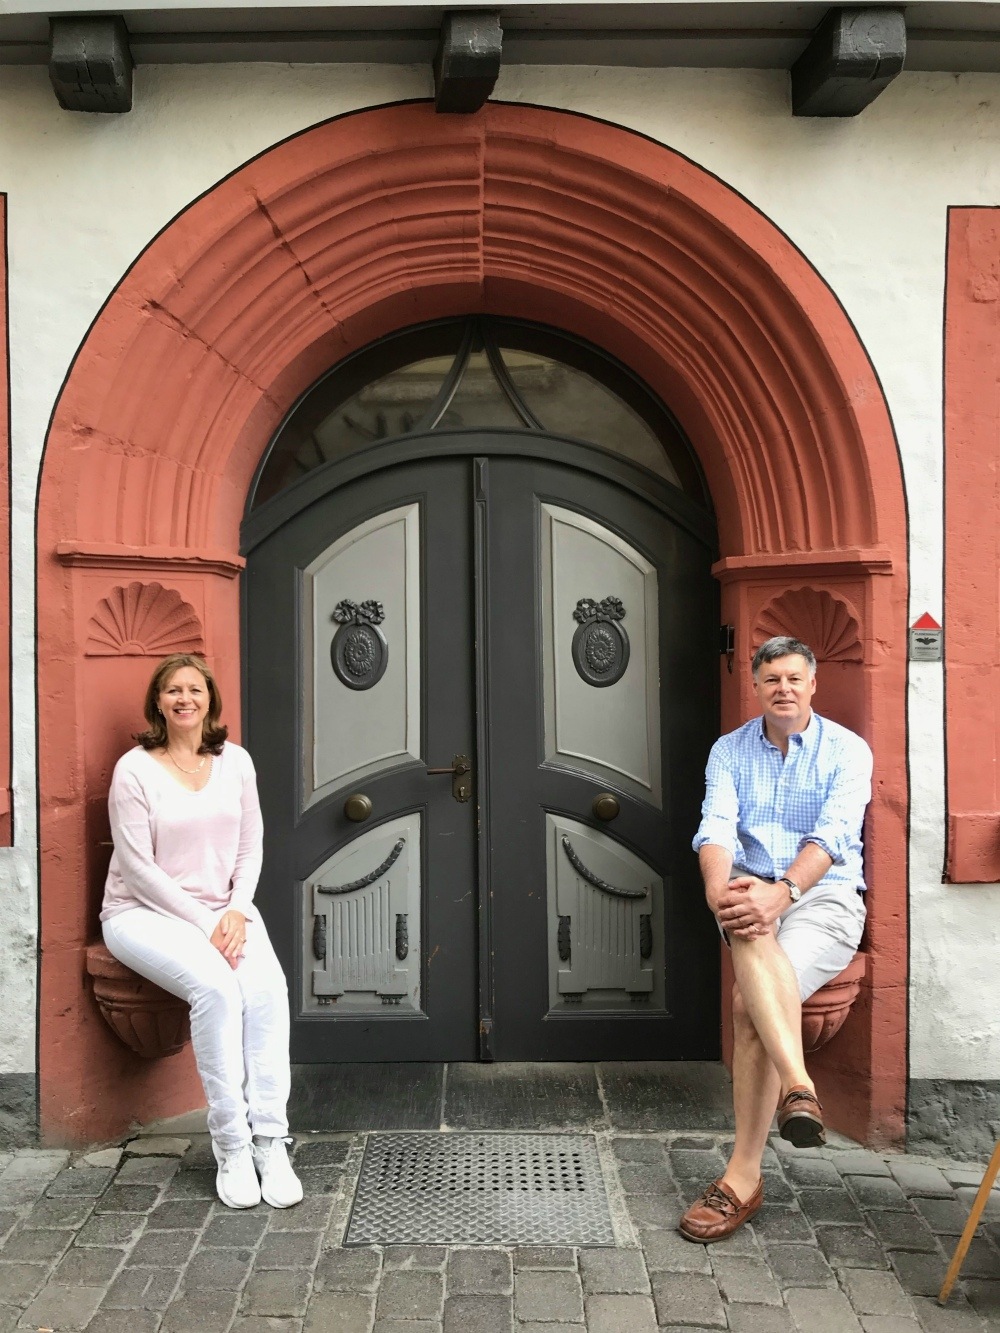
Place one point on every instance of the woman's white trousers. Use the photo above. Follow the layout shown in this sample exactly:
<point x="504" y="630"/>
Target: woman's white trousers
<point x="239" y="1018"/>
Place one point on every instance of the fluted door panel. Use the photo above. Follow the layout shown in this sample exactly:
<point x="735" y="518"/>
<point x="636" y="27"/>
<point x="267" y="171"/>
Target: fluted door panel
<point x="605" y="922"/>
<point x="361" y="924"/>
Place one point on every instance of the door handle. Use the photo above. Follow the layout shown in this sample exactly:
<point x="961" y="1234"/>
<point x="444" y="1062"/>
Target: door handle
<point x="605" y="806"/>
<point x="461" y="777"/>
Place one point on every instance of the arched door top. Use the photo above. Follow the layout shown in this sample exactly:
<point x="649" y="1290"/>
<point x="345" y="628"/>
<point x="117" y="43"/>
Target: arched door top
<point x="474" y="374"/>
<point x="387" y="217"/>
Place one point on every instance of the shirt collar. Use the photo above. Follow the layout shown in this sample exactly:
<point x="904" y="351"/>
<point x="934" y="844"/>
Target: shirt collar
<point x="803" y="740"/>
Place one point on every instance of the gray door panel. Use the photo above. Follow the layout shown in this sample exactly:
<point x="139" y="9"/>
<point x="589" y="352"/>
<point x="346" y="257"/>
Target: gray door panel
<point x="606" y="945"/>
<point x="361" y="910"/>
<point x="605" y="591"/>
<point x="361" y="653"/>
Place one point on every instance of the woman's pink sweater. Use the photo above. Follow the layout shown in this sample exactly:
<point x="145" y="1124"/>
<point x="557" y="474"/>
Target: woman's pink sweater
<point x="189" y="854"/>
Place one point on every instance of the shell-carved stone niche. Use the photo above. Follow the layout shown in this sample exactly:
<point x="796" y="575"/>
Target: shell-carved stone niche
<point x="148" y="1020"/>
<point x="828" y="624"/>
<point x="144" y="620"/>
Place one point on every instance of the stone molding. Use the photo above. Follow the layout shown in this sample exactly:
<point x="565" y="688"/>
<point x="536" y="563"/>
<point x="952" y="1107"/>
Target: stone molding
<point x="161" y="560"/>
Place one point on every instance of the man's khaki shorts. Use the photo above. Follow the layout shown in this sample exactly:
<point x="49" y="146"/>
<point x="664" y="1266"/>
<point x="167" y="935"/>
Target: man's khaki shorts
<point x="821" y="933"/>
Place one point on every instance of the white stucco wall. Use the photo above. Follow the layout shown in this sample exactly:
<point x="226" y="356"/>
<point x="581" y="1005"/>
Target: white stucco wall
<point x="864" y="199"/>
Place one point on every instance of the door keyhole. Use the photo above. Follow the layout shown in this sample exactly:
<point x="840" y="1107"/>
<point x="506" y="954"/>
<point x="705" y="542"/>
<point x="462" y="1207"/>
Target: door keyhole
<point x="461" y="777"/>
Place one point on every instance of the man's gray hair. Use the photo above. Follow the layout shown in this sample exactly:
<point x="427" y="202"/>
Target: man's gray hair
<point x="783" y="645"/>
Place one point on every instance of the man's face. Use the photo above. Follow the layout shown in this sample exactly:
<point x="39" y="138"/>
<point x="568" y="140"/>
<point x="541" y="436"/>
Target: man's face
<point x="785" y="690"/>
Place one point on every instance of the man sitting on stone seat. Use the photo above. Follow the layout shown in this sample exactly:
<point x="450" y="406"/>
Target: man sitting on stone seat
<point x="779" y="846"/>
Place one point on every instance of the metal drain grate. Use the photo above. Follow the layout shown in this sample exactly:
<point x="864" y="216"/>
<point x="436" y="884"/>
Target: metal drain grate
<point x="480" y="1189"/>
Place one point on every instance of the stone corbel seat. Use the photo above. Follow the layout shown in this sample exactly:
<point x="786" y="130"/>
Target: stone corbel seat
<point x="823" y="1014"/>
<point x="153" y="1023"/>
<point x="149" y="1020"/>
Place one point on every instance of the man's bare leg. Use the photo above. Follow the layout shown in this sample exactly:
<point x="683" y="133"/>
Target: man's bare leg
<point x="767" y="1060"/>
<point x="770" y="993"/>
<point x="756" y="1087"/>
<point x="728" y="1203"/>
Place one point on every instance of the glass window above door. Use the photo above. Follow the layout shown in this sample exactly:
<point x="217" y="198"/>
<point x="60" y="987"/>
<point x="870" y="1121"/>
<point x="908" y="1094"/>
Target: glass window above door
<point x="477" y="374"/>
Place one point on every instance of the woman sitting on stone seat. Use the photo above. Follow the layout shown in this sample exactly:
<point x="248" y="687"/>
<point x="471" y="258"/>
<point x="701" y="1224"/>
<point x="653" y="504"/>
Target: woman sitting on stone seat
<point x="178" y="909"/>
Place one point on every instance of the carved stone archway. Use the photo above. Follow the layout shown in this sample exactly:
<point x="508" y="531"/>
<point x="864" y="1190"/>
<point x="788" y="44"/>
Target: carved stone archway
<point x="389" y="217"/>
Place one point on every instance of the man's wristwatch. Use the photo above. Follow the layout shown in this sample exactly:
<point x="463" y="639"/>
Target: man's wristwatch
<point x="794" y="892"/>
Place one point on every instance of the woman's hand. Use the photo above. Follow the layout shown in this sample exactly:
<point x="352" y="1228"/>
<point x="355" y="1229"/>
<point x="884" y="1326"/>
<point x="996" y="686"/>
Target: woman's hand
<point x="230" y="936"/>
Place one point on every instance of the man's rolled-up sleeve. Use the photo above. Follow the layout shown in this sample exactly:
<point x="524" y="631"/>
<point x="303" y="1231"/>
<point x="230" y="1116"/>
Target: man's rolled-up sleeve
<point x="720" y="808"/>
<point x="838" y="828"/>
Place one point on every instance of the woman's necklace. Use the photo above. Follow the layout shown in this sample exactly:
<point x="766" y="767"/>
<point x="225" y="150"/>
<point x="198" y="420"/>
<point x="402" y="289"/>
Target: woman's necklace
<point x="186" y="770"/>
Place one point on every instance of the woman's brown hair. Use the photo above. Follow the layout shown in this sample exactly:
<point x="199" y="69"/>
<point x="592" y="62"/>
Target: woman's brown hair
<point x="213" y="733"/>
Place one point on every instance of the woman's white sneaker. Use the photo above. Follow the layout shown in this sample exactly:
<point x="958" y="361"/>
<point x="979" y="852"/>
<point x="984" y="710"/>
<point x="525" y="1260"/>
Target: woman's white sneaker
<point x="279" y="1185"/>
<point x="236" y="1180"/>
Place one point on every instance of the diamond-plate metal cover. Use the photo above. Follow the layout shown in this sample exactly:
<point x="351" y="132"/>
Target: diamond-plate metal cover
<point x="480" y="1189"/>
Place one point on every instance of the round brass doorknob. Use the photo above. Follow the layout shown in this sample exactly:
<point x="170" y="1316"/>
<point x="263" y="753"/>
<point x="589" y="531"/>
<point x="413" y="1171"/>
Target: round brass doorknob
<point x="605" y="806"/>
<point x="357" y="807"/>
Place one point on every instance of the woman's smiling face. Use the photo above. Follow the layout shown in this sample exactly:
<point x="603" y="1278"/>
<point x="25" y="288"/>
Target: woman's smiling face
<point x="184" y="702"/>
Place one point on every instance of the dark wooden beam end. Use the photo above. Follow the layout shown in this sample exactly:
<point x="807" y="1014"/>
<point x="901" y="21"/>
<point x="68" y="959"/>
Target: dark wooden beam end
<point x="853" y="56"/>
<point x="90" y="63"/>
<point x="467" y="62"/>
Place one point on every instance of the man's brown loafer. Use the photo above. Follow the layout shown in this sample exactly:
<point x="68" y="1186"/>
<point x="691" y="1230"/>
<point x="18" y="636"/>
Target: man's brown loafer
<point x="718" y="1213"/>
<point x="800" y="1118"/>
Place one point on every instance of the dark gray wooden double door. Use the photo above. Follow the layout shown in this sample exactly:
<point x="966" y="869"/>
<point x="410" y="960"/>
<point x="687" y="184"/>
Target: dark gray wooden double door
<point x="548" y="622"/>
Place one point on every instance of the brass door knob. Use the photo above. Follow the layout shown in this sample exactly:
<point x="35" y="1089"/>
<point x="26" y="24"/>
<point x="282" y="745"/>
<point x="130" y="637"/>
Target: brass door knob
<point x="357" y="807"/>
<point x="605" y="806"/>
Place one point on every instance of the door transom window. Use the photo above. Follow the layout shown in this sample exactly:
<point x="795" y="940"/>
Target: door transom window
<point x="478" y="374"/>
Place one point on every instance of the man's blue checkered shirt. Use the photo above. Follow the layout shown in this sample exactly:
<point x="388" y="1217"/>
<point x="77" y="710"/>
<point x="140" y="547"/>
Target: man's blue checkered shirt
<point x="763" y="808"/>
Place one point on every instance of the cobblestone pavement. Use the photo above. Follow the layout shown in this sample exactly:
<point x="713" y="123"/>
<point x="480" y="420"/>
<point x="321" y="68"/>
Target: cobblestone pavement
<point x="134" y="1241"/>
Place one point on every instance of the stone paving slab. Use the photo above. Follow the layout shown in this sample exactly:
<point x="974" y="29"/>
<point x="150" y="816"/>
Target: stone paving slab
<point x="134" y="1242"/>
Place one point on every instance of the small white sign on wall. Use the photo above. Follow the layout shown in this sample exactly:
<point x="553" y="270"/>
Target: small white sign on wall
<point x="926" y="640"/>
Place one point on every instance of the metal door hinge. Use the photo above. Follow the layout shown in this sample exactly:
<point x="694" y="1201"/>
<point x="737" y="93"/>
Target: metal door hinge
<point x="727" y="644"/>
<point x="486" y="1038"/>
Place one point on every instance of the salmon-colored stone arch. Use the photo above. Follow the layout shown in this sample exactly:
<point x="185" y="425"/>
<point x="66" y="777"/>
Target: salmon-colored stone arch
<point x="386" y="218"/>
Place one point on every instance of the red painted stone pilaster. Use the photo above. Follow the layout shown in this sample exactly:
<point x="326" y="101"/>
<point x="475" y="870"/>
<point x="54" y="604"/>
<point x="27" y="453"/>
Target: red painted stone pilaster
<point x="6" y="778"/>
<point x="972" y="544"/>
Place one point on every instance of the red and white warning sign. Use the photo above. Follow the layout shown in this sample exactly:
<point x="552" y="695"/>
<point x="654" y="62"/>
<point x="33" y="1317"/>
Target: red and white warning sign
<point x="926" y="639"/>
